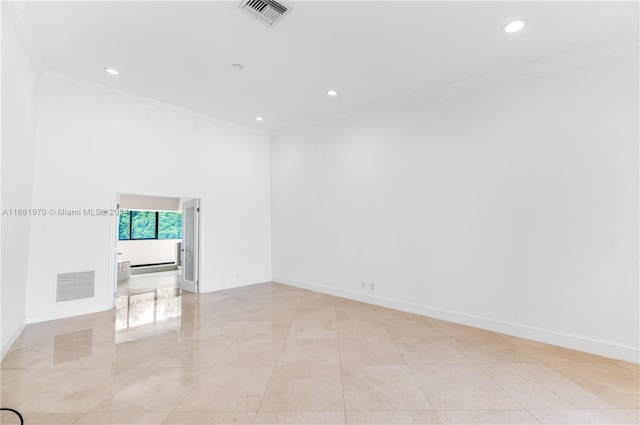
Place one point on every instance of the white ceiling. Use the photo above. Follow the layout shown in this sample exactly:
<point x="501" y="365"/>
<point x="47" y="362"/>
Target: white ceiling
<point x="181" y="52"/>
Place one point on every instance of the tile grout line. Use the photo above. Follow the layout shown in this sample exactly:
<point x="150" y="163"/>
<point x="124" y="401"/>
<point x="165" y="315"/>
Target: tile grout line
<point x="344" y="399"/>
<point x="208" y="369"/>
<point x="111" y="394"/>
<point x="507" y="392"/>
<point x="273" y="371"/>
<point x="414" y="376"/>
<point x="613" y="407"/>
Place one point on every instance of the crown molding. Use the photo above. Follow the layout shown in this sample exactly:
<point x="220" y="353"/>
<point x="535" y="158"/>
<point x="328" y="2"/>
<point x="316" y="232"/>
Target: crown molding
<point x="609" y="50"/>
<point x="605" y="51"/>
<point x="20" y="14"/>
<point x="56" y="76"/>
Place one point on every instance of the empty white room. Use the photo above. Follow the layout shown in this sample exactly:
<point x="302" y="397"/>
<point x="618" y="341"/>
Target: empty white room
<point x="320" y="212"/>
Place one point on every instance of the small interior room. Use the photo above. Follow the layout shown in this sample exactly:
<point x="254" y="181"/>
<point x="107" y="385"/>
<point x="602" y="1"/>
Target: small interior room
<point x="398" y="212"/>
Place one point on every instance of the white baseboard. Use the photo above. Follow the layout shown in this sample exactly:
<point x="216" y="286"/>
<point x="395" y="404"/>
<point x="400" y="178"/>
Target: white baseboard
<point x="7" y="345"/>
<point x="54" y="315"/>
<point x="592" y="346"/>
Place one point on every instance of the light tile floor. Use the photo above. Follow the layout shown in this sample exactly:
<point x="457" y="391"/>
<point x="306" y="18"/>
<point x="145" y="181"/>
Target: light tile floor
<point x="273" y="354"/>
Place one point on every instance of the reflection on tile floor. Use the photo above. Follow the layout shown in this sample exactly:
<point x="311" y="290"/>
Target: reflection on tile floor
<point x="148" y="304"/>
<point x="273" y="354"/>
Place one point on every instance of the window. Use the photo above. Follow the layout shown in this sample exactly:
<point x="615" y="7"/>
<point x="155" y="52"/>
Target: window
<point x="124" y="230"/>
<point x="169" y="225"/>
<point x="143" y="224"/>
<point x="140" y="225"/>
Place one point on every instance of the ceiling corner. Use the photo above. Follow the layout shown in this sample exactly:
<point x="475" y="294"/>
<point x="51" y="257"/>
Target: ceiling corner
<point x="20" y="14"/>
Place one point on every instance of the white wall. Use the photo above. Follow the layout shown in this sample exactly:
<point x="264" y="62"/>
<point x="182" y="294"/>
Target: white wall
<point x="19" y="88"/>
<point x="148" y="251"/>
<point x="513" y="209"/>
<point x="92" y="143"/>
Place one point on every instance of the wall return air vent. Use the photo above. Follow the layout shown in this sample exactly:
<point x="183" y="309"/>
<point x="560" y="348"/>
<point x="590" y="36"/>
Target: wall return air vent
<point x="268" y="12"/>
<point x="75" y="286"/>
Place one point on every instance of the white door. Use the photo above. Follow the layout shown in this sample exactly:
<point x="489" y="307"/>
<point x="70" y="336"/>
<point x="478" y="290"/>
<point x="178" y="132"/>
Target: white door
<point x="189" y="281"/>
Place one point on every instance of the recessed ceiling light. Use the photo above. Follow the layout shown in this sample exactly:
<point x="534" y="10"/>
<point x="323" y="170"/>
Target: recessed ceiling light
<point x="259" y="119"/>
<point x="515" y="26"/>
<point x="332" y="92"/>
<point x="238" y="66"/>
<point x="111" y="71"/>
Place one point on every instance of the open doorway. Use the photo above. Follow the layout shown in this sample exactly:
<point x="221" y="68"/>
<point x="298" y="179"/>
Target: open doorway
<point x="156" y="260"/>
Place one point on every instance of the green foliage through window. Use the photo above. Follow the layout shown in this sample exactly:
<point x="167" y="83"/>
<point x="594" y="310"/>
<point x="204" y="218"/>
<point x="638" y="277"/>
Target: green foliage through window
<point x="136" y="225"/>
<point x="169" y="225"/>
<point x="124" y="230"/>
<point x="143" y="225"/>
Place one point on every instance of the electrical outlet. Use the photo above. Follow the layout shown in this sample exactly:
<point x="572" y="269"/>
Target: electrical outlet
<point x="237" y="275"/>
<point x="362" y="285"/>
<point x="372" y="286"/>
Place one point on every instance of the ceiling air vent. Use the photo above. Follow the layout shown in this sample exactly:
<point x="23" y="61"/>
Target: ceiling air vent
<point x="268" y="12"/>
